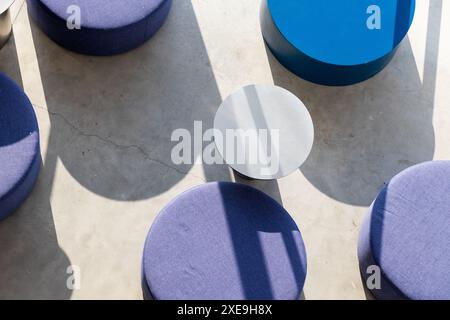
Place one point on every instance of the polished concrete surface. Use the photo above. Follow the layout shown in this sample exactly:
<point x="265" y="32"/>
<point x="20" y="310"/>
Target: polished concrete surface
<point x="106" y="125"/>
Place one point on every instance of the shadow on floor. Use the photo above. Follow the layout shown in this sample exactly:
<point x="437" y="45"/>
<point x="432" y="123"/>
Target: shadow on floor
<point x="112" y="117"/>
<point x="367" y="133"/>
<point x="9" y="62"/>
<point x="424" y="98"/>
<point x="32" y="264"/>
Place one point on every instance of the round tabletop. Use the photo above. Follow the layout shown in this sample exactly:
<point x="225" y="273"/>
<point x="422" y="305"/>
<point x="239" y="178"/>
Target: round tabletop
<point x="263" y="132"/>
<point x="5" y="4"/>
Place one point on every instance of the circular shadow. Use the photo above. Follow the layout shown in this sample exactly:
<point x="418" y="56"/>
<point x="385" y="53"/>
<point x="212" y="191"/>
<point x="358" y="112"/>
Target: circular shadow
<point x="366" y="133"/>
<point x="112" y="117"/>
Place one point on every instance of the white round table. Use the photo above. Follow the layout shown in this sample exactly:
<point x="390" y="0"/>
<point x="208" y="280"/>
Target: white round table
<point x="263" y="132"/>
<point x="5" y="21"/>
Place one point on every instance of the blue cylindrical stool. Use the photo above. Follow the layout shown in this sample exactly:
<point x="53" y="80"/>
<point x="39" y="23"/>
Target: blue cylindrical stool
<point x="19" y="147"/>
<point x="223" y="241"/>
<point x="99" y="27"/>
<point x="404" y="245"/>
<point x="335" y="42"/>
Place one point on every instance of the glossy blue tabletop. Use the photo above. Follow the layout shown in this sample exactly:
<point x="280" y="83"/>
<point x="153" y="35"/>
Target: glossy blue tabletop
<point x="343" y="32"/>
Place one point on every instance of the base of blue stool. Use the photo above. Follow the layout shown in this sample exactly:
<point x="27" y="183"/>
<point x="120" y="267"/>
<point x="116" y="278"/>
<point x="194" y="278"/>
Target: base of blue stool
<point x="318" y="70"/>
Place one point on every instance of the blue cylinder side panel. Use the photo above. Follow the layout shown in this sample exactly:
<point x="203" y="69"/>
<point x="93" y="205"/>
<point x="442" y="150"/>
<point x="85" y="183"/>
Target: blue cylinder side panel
<point x="340" y="71"/>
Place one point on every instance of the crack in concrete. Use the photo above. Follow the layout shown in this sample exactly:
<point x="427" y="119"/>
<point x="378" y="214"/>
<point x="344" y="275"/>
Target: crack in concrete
<point x="138" y="148"/>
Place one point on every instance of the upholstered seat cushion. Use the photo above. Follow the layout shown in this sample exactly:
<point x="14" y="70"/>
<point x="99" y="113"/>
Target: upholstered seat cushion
<point x="407" y="235"/>
<point x="19" y="146"/>
<point x="107" y="26"/>
<point x="224" y="241"/>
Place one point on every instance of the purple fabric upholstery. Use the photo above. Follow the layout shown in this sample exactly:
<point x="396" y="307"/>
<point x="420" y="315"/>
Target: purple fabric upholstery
<point x="407" y="234"/>
<point x="19" y="147"/>
<point x="224" y="241"/>
<point x="107" y="26"/>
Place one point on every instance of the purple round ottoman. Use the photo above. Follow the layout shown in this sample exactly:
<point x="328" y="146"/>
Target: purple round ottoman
<point x="223" y="241"/>
<point x="19" y="147"/>
<point x="99" y="27"/>
<point x="406" y="236"/>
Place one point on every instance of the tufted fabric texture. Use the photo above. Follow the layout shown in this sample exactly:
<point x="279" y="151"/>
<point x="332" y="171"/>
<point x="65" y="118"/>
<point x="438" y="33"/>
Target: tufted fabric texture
<point x="19" y="147"/>
<point x="224" y="241"/>
<point x="407" y="235"/>
<point x="108" y="27"/>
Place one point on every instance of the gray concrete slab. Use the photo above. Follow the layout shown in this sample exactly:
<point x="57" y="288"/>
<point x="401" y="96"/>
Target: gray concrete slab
<point x="106" y="125"/>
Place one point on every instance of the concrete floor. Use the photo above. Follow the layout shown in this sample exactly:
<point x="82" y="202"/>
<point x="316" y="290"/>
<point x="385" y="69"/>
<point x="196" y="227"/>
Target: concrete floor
<point x="106" y="126"/>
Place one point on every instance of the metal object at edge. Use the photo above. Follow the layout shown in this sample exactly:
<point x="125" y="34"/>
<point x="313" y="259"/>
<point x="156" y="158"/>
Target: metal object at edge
<point x="5" y="23"/>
